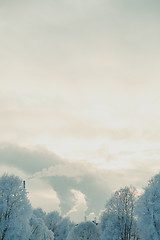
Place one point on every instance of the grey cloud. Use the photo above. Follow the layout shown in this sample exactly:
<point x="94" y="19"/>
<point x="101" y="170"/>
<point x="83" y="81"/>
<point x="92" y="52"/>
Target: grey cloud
<point x="96" y="191"/>
<point x="30" y="161"/>
<point x="80" y="176"/>
<point x="62" y="175"/>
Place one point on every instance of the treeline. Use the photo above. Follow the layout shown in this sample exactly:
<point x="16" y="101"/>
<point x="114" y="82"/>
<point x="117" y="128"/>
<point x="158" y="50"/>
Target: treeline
<point x="127" y="216"/>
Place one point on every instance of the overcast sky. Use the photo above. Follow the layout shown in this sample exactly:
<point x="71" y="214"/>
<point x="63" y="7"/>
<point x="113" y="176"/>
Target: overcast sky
<point x="79" y="98"/>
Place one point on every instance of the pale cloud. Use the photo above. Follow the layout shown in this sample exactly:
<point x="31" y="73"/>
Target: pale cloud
<point x="77" y="213"/>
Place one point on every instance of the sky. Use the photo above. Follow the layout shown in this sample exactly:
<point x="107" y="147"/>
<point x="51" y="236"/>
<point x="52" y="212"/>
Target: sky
<point x="79" y="99"/>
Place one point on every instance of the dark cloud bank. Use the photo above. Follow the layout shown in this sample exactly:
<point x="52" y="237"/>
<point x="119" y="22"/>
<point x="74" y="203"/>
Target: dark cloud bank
<point x="64" y="175"/>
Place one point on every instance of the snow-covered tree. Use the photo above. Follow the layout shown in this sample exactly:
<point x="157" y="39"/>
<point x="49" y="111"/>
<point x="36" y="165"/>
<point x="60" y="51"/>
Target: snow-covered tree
<point x="58" y="225"/>
<point x="84" y="231"/>
<point x="117" y="220"/>
<point x="15" y="209"/>
<point x="63" y="228"/>
<point x="39" y="230"/>
<point x="39" y="213"/>
<point x="148" y="210"/>
<point x="52" y="219"/>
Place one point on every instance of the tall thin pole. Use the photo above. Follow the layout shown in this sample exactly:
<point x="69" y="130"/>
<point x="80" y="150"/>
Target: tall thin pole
<point x="24" y="184"/>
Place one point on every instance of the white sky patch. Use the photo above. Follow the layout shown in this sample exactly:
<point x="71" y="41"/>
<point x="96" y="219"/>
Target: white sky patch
<point x="5" y="169"/>
<point x="91" y="217"/>
<point x="139" y="192"/>
<point x="42" y="195"/>
<point x="77" y="213"/>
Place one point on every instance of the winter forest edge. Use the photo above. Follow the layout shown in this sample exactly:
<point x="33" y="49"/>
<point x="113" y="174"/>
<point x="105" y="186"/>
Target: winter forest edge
<point x="128" y="215"/>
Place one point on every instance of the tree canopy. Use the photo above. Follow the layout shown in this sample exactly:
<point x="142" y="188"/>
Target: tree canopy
<point x="15" y="209"/>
